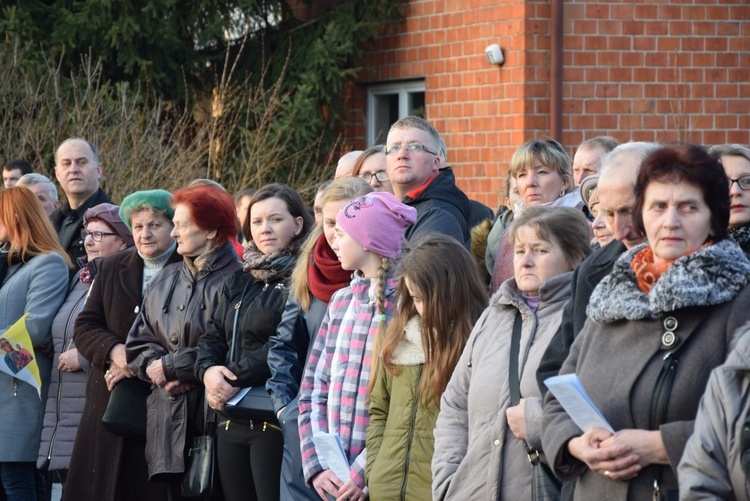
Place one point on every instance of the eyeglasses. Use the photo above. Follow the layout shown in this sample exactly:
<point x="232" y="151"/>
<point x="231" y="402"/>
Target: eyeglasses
<point x="381" y="176"/>
<point x="96" y="236"/>
<point x="395" y="148"/>
<point x="743" y="182"/>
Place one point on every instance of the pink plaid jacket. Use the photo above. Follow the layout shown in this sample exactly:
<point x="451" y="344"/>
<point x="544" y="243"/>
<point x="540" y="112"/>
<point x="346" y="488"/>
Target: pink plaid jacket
<point x="333" y="394"/>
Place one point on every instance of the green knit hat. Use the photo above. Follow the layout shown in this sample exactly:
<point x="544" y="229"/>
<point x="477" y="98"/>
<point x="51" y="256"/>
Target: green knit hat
<point x="154" y="200"/>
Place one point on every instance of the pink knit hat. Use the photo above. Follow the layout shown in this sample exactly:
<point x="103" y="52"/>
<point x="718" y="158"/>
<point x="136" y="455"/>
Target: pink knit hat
<point x="377" y="221"/>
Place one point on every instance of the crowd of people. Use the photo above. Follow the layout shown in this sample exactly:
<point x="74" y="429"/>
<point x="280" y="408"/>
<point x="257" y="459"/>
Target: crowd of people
<point x="400" y="333"/>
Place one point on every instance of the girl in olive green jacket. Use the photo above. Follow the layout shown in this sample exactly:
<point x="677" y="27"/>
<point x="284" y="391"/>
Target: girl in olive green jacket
<point x="441" y="295"/>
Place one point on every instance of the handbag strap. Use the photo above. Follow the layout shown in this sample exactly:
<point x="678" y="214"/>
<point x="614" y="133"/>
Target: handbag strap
<point x="514" y="381"/>
<point x="515" y="348"/>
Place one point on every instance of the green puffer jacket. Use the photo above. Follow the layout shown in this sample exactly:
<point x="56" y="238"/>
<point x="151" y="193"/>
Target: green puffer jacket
<point x="400" y="442"/>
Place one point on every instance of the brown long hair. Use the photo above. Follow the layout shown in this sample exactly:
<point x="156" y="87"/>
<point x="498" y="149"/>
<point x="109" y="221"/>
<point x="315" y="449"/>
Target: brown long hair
<point x="29" y="229"/>
<point x="453" y="296"/>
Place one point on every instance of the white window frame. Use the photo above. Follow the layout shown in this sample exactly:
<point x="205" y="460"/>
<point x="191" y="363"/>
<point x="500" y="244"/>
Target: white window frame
<point x="403" y="89"/>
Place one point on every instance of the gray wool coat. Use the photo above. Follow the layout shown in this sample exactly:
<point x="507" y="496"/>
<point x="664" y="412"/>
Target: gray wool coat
<point x="38" y="288"/>
<point x="711" y="464"/>
<point x="476" y="455"/>
<point x="619" y="353"/>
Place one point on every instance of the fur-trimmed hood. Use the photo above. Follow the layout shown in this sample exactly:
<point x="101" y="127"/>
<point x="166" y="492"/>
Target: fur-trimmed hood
<point x="709" y="276"/>
<point x="409" y="350"/>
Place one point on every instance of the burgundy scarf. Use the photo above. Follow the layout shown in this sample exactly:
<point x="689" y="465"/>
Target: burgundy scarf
<point x="325" y="273"/>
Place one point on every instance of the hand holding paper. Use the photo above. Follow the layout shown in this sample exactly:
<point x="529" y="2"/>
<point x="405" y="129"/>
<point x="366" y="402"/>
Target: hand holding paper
<point x="569" y="391"/>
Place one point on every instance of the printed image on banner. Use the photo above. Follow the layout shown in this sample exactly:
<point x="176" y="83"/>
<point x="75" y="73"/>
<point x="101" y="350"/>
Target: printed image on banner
<point x="19" y="360"/>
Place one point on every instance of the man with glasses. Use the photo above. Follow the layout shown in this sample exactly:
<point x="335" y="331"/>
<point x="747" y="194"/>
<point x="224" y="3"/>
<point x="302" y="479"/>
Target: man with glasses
<point x="413" y="164"/>
<point x="78" y="171"/>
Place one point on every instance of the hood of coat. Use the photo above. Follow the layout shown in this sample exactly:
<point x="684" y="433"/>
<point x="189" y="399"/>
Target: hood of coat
<point x="409" y="350"/>
<point x="552" y="291"/>
<point x="739" y="356"/>
<point x="709" y="276"/>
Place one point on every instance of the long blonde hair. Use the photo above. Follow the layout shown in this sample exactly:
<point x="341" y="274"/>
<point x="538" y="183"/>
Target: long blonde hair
<point x="29" y="230"/>
<point x="339" y="190"/>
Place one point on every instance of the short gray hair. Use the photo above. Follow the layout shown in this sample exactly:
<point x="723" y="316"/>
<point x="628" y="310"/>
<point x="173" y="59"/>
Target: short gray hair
<point x="34" y="179"/>
<point x="616" y="158"/>
<point x="412" y="122"/>
<point x="729" y="150"/>
<point x="94" y="151"/>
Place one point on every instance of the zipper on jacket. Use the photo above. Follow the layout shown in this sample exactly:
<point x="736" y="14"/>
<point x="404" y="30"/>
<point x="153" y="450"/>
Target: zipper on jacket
<point x="410" y="436"/>
<point x="58" y="404"/>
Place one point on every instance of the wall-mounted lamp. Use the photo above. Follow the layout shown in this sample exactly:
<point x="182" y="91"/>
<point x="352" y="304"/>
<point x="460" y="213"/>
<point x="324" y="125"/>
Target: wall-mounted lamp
<point x="494" y="54"/>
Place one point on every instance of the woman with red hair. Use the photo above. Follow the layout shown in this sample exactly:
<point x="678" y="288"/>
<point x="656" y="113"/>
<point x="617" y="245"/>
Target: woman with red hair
<point x="161" y="345"/>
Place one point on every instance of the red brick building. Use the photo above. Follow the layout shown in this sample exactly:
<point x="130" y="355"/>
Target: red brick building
<point x="632" y="69"/>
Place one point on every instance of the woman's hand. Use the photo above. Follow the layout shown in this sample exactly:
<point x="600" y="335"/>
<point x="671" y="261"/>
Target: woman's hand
<point x="155" y="373"/>
<point x="118" y="367"/>
<point x="68" y="361"/>
<point x="177" y="388"/>
<point x="615" y="460"/>
<point x="516" y="419"/>
<point x="218" y="390"/>
<point x="646" y="444"/>
<point x="326" y="482"/>
<point x="350" y="491"/>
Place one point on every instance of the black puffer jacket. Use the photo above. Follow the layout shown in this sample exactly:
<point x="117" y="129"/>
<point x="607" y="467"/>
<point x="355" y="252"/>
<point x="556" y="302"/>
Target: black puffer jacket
<point x="259" y="314"/>
<point x="441" y="208"/>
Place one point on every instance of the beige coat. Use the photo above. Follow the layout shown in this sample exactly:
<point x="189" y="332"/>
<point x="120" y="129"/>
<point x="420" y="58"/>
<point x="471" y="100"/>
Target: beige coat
<point x="476" y="455"/>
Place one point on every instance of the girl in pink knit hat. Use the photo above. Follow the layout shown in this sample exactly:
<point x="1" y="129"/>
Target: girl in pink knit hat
<point x="334" y="397"/>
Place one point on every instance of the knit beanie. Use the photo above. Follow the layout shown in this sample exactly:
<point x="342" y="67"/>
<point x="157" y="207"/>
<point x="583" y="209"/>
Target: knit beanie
<point x="110" y="214"/>
<point x="377" y="221"/>
<point x="156" y="200"/>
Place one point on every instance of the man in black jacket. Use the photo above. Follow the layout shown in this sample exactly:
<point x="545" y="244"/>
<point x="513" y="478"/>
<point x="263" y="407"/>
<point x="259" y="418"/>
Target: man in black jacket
<point x="413" y="163"/>
<point x="78" y="171"/>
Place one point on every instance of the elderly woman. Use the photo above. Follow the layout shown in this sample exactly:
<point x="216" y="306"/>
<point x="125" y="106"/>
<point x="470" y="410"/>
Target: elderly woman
<point x="480" y="433"/>
<point x="544" y="176"/>
<point x="161" y="346"/>
<point x="370" y="166"/>
<point x="735" y="159"/>
<point x="602" y="234"/>
<point x="105" y="466"/>
<point x="677" y="298"/>
<point x="34" y="277"/>
<point x="253" y="299"/>
<point x="104" y="234"/>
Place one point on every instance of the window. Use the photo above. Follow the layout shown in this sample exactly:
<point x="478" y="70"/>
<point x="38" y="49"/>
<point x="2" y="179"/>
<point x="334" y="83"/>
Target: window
<point x="386" y="103"/>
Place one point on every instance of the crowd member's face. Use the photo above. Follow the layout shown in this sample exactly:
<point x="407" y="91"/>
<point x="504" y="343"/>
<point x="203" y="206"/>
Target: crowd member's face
<point x="676" y="218"/>
<point x="11" y="177"/>
<point x="410" y="169"/>
<point x="241" y="209"/>
<point x="42" y="193"/>
<point x="191" y="240"/>
<point x="416" y="297"/>
<point x="272" y="225"/>
<point x="353" y="256"/>
<point x="109" y="243"/>
<point x="737" y="167"/>
<point x="536" y="260"/>
<point x="539" y="184"/>
<point x="318" y="207"/>
<point x="330" y="211"/>
<point x="602" y="233"/>
<point x="616" y="201"/>
<point x="586" y="163"/>
<point x="372" y="165"/>
<point x="151" y="232"/>
<point x="76" y="171"/>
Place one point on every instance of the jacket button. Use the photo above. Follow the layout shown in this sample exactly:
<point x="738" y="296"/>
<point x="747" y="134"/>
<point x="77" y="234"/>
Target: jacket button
<point x="670" y="323"/>
<point x="181" y="307"/>
<point x="497" y="443"/>
<point x="174" y="340"/>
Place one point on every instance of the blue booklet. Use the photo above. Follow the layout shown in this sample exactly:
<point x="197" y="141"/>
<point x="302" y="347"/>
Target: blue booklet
<point x="569" y="391"/>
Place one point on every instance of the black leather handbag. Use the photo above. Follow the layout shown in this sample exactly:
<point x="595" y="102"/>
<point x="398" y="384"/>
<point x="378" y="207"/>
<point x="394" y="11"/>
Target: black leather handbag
<point x="544" y="484"/>
<point x="126" y="411"/>
<point x="201" y="477"/>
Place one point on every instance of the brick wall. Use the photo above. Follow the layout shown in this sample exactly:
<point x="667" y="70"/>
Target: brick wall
<point x="641" y="70"/>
